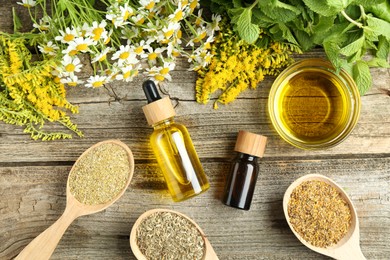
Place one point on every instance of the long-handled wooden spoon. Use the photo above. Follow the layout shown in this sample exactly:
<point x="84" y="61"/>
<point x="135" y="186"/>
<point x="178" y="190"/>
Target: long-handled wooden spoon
<point x="348" y="247"/>
<point x="209" y="253"/>
<point x="43" y="246"/>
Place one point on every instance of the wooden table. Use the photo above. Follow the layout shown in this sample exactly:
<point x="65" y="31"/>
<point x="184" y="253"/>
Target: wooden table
<point x="33" y="174"/>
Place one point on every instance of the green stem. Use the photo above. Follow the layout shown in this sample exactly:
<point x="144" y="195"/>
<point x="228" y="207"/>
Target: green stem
<point x="360" y="25"/>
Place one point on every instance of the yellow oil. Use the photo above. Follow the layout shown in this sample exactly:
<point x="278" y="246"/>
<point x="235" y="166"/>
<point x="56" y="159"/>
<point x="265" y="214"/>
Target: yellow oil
<point x="312" y="106"/>
<point x="178" y="160"/>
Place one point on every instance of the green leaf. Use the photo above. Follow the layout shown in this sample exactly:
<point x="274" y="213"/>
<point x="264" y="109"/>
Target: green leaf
<point x="377" y="62"/>
<point x="332" y="52"/>
<point x="381" y="10"/>
<point x="353" y="47"/>
<point x="281" y="12"/>
<point x="303" y="39"/>
<point x="362" y="76"/>
<point x="367" y="2"/>
<point x="16" y="20"/>
<point x="247" y="31"/>
<point x="381" y="27"/>
<point x="383" y="48"/>
<point x="329" y="8"/>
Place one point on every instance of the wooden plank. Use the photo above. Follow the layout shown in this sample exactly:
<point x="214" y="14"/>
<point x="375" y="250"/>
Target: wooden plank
<point x="36" y="198"/>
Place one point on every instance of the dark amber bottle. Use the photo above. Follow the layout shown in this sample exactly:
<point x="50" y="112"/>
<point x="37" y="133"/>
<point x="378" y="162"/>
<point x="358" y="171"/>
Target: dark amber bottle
<point x="241" y="181"/>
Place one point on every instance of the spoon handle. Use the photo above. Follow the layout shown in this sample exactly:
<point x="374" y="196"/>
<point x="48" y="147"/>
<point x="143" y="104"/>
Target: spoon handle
<point x="43" y="246"/>
<point x="210" y="253"/>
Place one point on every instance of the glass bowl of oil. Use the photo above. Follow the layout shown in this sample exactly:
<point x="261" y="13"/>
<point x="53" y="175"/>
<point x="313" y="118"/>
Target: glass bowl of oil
<point x="312" y="106"/>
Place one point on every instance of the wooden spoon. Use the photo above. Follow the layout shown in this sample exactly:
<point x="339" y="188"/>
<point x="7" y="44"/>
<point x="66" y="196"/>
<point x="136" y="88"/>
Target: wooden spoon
<point x="348" y="247"/>
<point x="43" y="246"/>
<point x="209" y="251"/>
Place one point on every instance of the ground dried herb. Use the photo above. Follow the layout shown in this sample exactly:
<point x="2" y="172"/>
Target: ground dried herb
<point x="100" y="175"/>
<point x="319" y="213"/>
<point x="166" y="235"/>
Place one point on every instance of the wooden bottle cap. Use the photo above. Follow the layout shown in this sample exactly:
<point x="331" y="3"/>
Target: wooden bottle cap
<point x="158" y="110"/>
<point x="250" y="143"/>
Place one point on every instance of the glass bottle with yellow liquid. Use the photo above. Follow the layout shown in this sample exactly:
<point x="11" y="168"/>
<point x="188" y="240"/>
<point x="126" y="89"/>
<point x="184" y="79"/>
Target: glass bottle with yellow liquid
<point x="173" y="147"/>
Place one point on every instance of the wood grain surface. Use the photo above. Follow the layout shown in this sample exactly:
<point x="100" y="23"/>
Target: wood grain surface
<point x="33" y="174"/>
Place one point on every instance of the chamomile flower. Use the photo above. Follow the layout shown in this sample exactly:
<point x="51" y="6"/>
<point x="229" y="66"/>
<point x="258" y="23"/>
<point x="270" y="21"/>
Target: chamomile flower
<point x="172" y="50"/>
<point x="125" y="56"/>
<point x="155" y="75"/>
<point x="119" y="15"/>
<point x="50" y="48"/>
<point x="216" y="19"/>
<point x="128" y="73"/>
<point x="72" y="80"/>
<point x="71" y="65"/>
<point x="102" y="55"/>
<point x="148" y="4"/>
<point x="67" y="36"/>
<point x="28" y="3"/>
<point x="139" y="48"/>
<point x="139" y="18"/>
<point x="96" y="81"/>
<point x="167" y="67"/>
<point x="81" y="44"/>
<point x="193" y="5"/>
<point x="177" y="15"/>
<point x="154" y="53"/>
<point x="44" y="23"/>
<point x="168" y="31"/>
<point x="97" y="31"/>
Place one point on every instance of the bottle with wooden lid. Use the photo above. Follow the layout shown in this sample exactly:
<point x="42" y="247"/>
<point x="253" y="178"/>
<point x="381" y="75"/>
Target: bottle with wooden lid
<point x="173" y="147"/>
<point x="241" y="181"/>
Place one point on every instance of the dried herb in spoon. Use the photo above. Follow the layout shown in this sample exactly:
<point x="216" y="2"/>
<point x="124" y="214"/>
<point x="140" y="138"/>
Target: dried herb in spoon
<point x="166" y="235"/>
<point x="100" y="175"/>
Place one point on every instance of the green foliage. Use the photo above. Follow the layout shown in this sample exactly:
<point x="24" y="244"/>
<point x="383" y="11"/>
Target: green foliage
<point x="346" y="29"/>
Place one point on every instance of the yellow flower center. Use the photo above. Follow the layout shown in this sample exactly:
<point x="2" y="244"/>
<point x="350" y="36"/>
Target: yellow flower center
<point x="72" y="84"/>
<point x="73" y="52"/>
<point x="103" y="57"/>
<point x="139" y="49"/>
<point x="152" y="56"/>
<point x="164" y="71"/>
<point x="175" y="53"/>
<point x="179" y="34"/>
<point x="124" y="55"/>
<point x="127" y="74"/>
<point x="168" y="33"/>
<point x="150" y="5"/>
<point x="178" y="16"/>
<point x="82" y="47"/>
<point x="193" y="4"/>
<point x="97" y="32"/>
<point x="48" y="49"/>
<point x="70" y="67"/>
<point x="68" y="37"/>
<point x="126" y="15"/>
<point x="184" y="2"/>
<point x="97" y="84"/>
<point x="141" y="21"/>
<point x="159" y="77"/>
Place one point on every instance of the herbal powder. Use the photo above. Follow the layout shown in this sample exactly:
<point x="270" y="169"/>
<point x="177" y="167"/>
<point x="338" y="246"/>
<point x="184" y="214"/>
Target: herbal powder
<point x="100" y="175"/>
<point x="318" y="213"/>
<point x="166" y="235"/>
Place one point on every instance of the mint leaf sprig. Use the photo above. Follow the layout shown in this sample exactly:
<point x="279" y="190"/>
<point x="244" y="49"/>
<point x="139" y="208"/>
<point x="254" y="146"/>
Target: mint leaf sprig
<point x="346" y="29"/>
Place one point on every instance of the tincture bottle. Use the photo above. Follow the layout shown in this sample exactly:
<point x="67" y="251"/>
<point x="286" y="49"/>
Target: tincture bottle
<point x="173" y="147"/>
<point x="241" y="181"/>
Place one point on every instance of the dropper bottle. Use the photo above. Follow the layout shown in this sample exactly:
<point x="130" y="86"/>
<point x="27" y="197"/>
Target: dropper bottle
<point x="241" y="181"/>
<point x="173" y="147"/>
